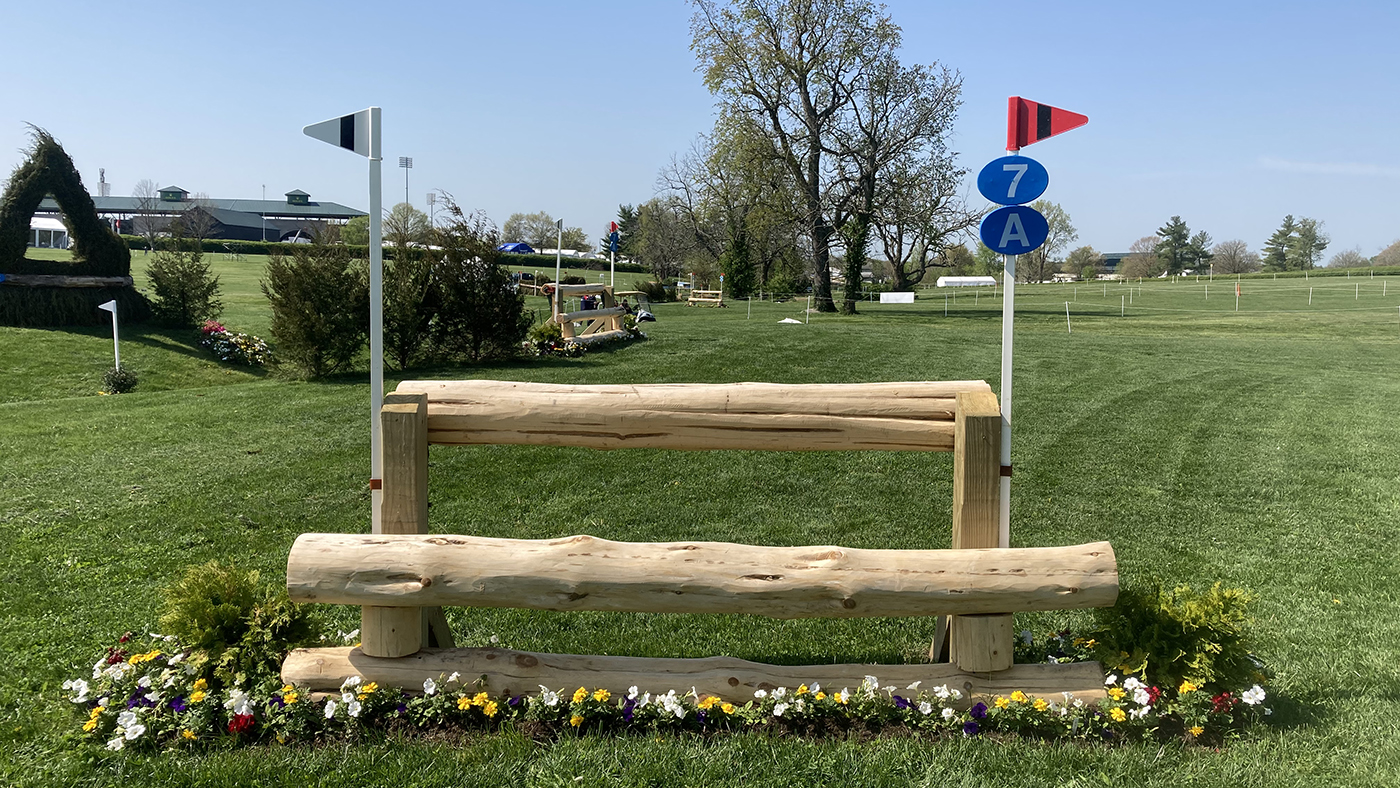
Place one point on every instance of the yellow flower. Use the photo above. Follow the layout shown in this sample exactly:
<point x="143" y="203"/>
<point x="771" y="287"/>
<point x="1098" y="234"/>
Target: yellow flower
<point x="202" y="684"/>
<point x="1018" y="696"/>
<point x="1197" y="730"/>
<point x="576" y="720"/>
<point x="1090" y="643"/>
<point x="287" y="688"/>
<point x="1118" y="715"/>
<point x="709" y="702"/>
<point x="464" y="703"/>
<point x="1040" y="704"/>
<point x="480" y="698"/>
<point x="281" y="738"/>
<point x="1002" y="703"/>
<point x="489" y="709"/>
<point x="290" y="698"/>
<point x="187" y="734"/>
<point x="1079" y="641"/>
<point x="802" y="690"/>
<point x="1116" y="693"/>
<point x="820" y="696"/>
<point x="368" y="689"/>
<point x="91" y="724"/>
<point x="727" y="708"/>
<point x="196" y="696"/>
<point x="602" y="695"/>
<point x="580" y="694"/>
<point x="1186" y="686"/>
<point x="842" y="698"/>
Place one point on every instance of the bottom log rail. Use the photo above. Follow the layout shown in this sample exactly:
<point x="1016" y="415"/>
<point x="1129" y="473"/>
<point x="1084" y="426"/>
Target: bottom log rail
<point x="602" y="336"/>
<point x="506" y="672"/>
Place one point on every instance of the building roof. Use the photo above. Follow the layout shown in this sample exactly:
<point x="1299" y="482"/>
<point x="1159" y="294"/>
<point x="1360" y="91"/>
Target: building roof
<point x="297" y="193"/>
<point x="126" y="206"/>
<point x="173" y="189"/>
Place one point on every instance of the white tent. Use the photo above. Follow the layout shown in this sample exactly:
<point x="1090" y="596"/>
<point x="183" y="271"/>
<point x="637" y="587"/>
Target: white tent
<point x="47" y="233"/>
<point x="966" y="281"/>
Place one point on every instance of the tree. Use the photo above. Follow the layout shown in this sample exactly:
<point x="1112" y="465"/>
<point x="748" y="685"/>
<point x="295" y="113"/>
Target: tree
<point x="356" y="231"/>
<point x="536" y="229"/>
<point x="1198" y="251"/>
<point x="1349" y="258"/>
<point x="626" y="233"/>
<point x="1275" y="256"/>
<point x="146" y="222"/>
<point x="1174" y="245"/>
<point x="320" y="306"/>
<point x="1038" y="265"/>
<point x="986" y="261"/>
<point x="480" y="315"/>
<point x="1389" y="256"/>
<point x="785" y="71"/>
<point x="186" y="291"/>
<point x="1233" y="257"/>
<point x="575" y="238"/>
<point x="405" y="225"/>
<point x="920" y="211"/>
<point x="1142" y="261"/>
<point x="1084" y="263"/>
<point x="739" y="278"/>
<point x="1307" y="245"/>
<point x="960" y="262"/>
<point x="664" y="243"/>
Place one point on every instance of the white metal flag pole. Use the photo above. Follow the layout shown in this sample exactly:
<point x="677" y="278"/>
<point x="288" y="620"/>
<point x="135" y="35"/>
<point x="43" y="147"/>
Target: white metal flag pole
<point x="1008" y="319"/>
<point x="376" y="320"/>
<point x="111" y="306"/>
<point x="558" y="253"/>
<point x="612" y="269"/>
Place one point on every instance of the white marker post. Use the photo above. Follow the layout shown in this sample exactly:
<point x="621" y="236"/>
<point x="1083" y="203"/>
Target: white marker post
<point x="111" y="306"/>
<point x="558" y="252"/>
<point x="1008" y="320"/>
<point x="360" y="132"/>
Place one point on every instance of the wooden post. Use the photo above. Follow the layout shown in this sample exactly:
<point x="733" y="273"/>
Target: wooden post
<point x="399" y="631"/>
<point x="978" y="643"/>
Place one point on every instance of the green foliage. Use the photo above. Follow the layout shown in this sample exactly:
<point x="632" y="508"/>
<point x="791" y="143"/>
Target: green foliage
<point x="47" y="170"/>
<point x="480" y="314"/>
<point x="118" y="380"/>
<point x="356" y="231"/>
<point x="187" y="292"/>
<point x="1174" y="248"/>
<point x="572" y="279"/>
<point x="1172" y="636"/>
<point x="656" y="292"/>
<point x="70" y="306"/>
<point x="320" y="307"/>
<point x="244" y="628"/>
<point x="410" y="302"/>
<point x="546" y="332"/>
<point x="740" y="280"/>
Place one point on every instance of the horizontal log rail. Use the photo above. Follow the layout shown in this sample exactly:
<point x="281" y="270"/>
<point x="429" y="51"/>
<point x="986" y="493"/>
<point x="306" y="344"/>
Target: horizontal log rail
<point x="587" y="573"/>
<point x="601" y="336"/>
<point x="63" y="280"/>
<point x="507" y="672"/>
<point x="590" y="314"/>
<point x="584" y="289"/>
<point x="755" y="416"/>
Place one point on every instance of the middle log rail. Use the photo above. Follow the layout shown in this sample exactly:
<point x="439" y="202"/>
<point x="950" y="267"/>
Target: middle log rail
<point x="587" y="573"/>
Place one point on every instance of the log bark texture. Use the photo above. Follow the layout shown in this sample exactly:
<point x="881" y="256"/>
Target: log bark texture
<point x="586" y="573"/>
<point x="756" y="416"/>
<point x="509" y="672"/>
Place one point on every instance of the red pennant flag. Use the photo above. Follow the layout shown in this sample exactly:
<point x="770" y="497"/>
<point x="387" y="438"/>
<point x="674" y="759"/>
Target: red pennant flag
<point x="1028" y="122"/>
<point x="612" y="227"/>
<point x="1237" y="289"/>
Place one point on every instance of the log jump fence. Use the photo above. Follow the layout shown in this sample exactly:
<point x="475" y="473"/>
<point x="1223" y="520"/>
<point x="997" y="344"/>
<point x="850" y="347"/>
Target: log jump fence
<point x="601" y="324"/>
<point x="706" y="298"/>
<point x="402" y="575"/>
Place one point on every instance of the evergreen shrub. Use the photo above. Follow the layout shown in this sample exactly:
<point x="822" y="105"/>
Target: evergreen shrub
<point x="186" y="291"/>
<point x="118" y="380"/>
<point x="320" y="307"/>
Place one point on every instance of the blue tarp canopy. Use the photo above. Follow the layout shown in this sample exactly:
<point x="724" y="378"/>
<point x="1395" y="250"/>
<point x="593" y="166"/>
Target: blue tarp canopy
<point x="516" y="248"/>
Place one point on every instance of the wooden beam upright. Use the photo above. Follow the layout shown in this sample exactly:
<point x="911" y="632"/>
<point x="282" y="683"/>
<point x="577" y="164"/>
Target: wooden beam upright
<point x="978" y="643"/>
<point x="399" y="631"/>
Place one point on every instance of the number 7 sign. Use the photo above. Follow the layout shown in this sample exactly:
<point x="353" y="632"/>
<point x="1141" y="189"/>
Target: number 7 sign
<point x="1012" y="180"/>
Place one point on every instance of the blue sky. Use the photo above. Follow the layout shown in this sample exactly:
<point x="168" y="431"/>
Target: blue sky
<point x="1230" y="114"/>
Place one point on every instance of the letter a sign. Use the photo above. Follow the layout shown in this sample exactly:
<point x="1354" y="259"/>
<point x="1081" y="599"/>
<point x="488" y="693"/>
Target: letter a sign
<point x="1015" y="229"/>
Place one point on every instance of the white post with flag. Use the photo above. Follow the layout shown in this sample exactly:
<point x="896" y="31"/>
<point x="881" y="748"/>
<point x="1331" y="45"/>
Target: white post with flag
<point x="360" y="133"/>
<point x="111" y="306"/>
<point x="558" y="251"/>
<point x="612" y="255"/>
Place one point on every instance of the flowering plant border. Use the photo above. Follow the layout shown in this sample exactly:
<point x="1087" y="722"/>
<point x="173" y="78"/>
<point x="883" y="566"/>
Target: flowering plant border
<point x="162" y="695"/>
<point x="233" y="347"/>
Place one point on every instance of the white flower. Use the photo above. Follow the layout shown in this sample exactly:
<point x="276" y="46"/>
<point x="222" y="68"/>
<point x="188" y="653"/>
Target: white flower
<point x="779" y="709"/>
<point x="144" y="682"/>
<point x="891" y="689"/>
<point x="870" y="684"/>
<point x="79" y="688"/>
<point x="495" y="640"/>
<point x="914" y="686"/>
<point x="1111" y="680"/>
<point x="843" y="696"/>
<point x="1026" y="637"/>
<point x="941" y="692"/>
<point x="1141" y="697"/>
<point x="801" y="704"/>
<point x="957" y="695"/>
<point x="330" y="709"/>
<point x="779" y="692"/>
<point x="632" y="692"/>
<point x="349" y="637"/>
<point x="429" y="687"/>
<point x="1268" y="711"/>
<point x="547" y="696"/>
<point x="455" y="675"/>
<point x="818" y="688"/>
<point x="925" y="708"/>
<point x="134" y="732"/>
<point x="177" y="659"/>
<point x="126" y="719"/>
<point x="1131" y="683"/>
<point x="167" y="678"/>
<point x="1253" y="696"/>
<point x="760" y="693"/>
<point x="346" y="697"/>
<point x="1139" y="712"/>
<point x="154" y="697"/>
<point x="97" y="668"/>
<point x="645" y="701"/>
<point x="353" y="708"/>
<point x="116" y="744"/>
<point x="1078" y="704"/>
<point x="102" y="702"/>
<point x="949" y="714"/>
<point x="353" y="681"/>
<point x="239" y="702"/>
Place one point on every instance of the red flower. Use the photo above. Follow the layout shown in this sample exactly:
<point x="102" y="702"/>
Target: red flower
<point x="240" y="723"/>
<point x="1222" y="702"/>
<point x="1153" y="693"/>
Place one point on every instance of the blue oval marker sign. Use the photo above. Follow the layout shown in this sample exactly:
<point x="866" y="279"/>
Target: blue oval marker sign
<point x="1012" y="180"/>
<point x="1015" y="229"/>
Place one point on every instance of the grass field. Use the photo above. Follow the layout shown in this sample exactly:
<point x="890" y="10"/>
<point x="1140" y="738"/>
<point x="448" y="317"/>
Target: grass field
<point x="1255" y="448"/>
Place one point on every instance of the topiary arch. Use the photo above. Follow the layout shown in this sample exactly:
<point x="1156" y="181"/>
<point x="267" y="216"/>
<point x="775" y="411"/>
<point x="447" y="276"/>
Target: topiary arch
<point x="96" y="249"/>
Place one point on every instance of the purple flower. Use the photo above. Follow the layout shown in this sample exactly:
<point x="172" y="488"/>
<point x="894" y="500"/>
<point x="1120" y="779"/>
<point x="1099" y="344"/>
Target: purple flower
<point x="901" y="703"/>
<point x="979" y="712"/>
<point x="515" y="701"/>
<point x="701" y="716"/>
<point x="178" y="703"/>
<point x="971" y="728"/>
<point x="139" y="699"/>
<point x="629" y="709"/>
<point x="403" y="707"/>
<point x="277" y="699"/>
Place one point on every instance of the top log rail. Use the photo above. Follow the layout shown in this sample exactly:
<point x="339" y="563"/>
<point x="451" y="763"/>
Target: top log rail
<point x="745" y="416"/>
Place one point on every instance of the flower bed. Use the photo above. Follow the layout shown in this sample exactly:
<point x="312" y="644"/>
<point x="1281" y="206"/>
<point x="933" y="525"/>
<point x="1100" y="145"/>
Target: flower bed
<point x="161" y="695"/>
<point x="234" y="348"/>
